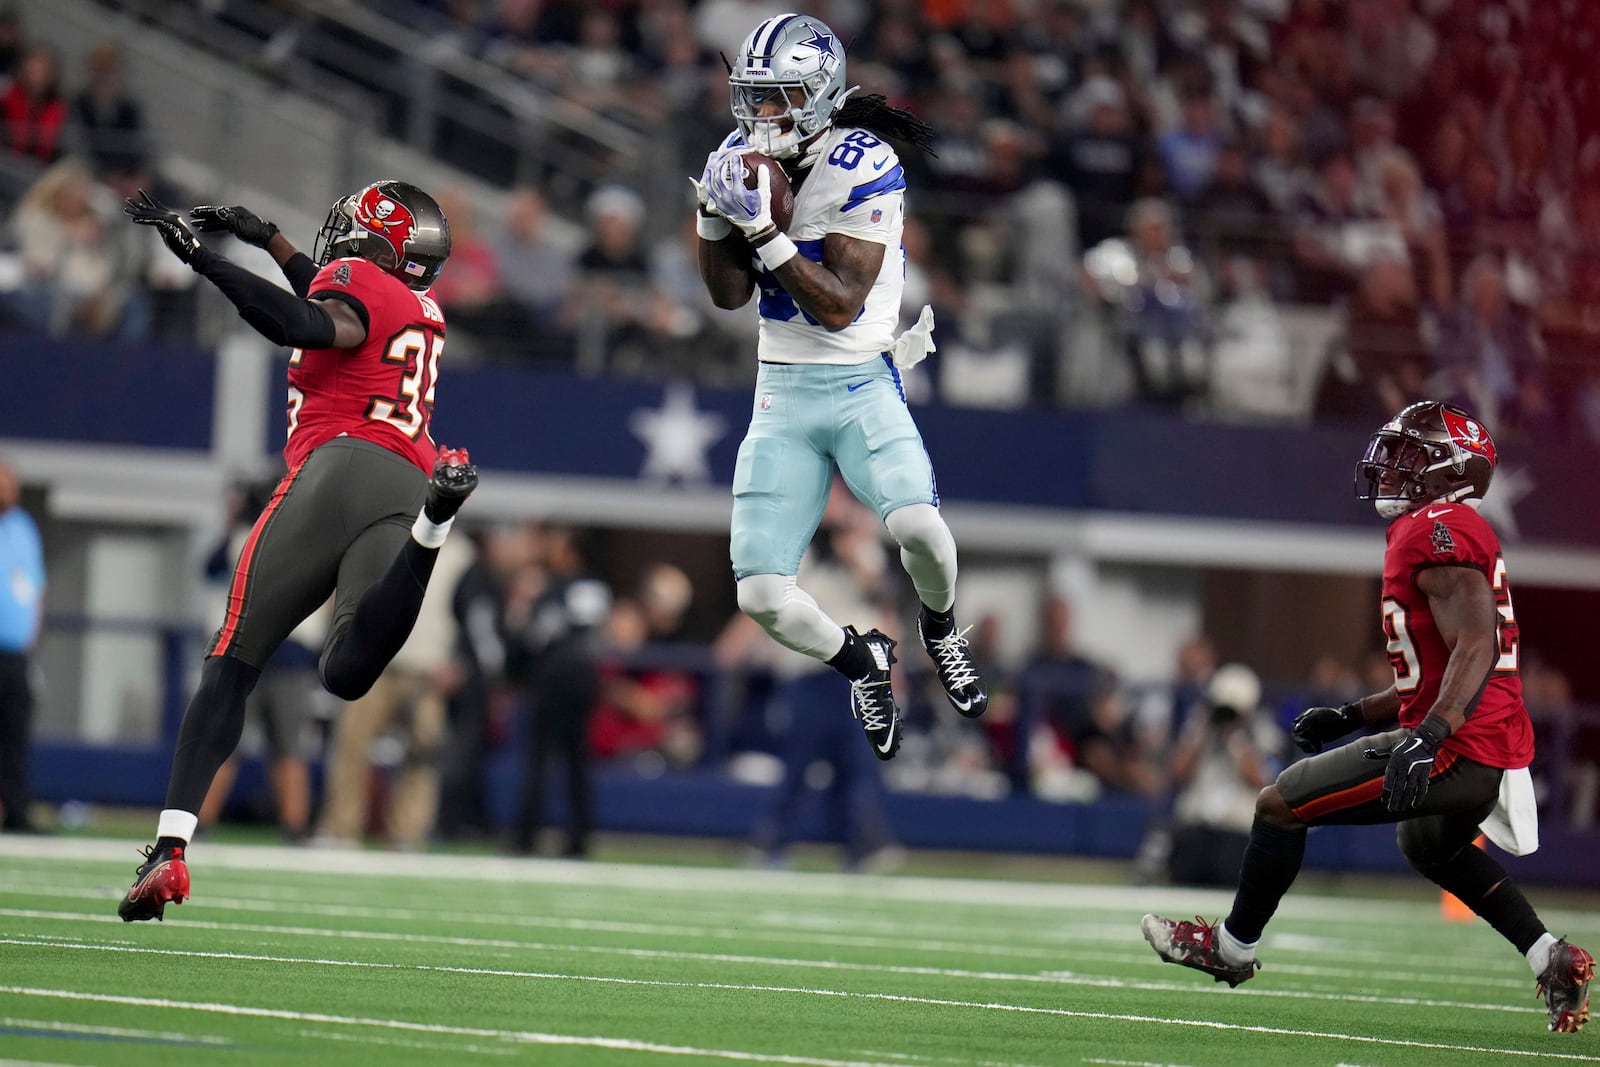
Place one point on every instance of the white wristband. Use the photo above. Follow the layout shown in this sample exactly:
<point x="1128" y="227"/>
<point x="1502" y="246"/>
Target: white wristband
<point x="778" y="251"/>
<point x="712" y="227"/>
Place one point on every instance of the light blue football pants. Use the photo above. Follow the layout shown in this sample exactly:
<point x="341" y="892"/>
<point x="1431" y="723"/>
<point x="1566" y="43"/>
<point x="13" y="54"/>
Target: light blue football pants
<point x="805" y="419"/>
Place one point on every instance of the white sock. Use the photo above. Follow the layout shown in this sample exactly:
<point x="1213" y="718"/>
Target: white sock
<point x="179" y="824"/>
<point x="1231" y="949"/>
<point x="430" y="534"/>
<point x="1539" y="954"/>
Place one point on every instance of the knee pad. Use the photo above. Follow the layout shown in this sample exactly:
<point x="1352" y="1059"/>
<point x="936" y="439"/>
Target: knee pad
<point x="762" y="597"/>
<point x="921" y="530"/>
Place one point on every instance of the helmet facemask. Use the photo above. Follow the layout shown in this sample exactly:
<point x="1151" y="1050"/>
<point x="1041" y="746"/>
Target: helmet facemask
<point x="798" y="62"/>
<point x="1429" y="453"/>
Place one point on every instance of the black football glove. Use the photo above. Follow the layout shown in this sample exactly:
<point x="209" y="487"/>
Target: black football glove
<point x="1315" y="727"/>
<point x="175" y="233"/>
<point x="1406" y="779"/>
<point x="243" y="223"/>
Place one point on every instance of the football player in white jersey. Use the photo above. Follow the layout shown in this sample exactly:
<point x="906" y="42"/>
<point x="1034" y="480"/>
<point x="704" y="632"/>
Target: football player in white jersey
<point x="828" y="390"/>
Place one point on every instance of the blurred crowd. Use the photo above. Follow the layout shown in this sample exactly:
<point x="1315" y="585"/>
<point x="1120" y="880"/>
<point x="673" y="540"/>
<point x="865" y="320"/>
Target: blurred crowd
<point x="1130" y="200"/>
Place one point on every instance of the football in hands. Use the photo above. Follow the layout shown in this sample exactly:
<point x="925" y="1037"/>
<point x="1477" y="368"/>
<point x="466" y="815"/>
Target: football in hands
<point x="781" y="195"/>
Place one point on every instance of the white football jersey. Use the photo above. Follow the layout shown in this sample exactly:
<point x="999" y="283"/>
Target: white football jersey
<point x="856" y="187"/>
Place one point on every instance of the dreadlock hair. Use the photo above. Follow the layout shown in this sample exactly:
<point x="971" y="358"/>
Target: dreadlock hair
<point x="876" y="115"/>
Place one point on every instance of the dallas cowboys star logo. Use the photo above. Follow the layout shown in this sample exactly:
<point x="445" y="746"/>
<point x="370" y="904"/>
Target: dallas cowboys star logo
<point x="822" y="42"/>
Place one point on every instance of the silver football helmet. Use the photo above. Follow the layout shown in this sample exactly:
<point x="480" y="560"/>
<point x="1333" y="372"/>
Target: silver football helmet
<point x="787" y="52"/>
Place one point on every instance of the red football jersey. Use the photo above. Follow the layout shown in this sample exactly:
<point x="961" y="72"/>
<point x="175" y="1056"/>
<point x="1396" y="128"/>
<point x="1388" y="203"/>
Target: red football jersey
<point x="381" y="391"/>
<point x="1497" y="732"/>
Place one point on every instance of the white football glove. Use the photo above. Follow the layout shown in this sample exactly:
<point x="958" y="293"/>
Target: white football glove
<point x="750" y="210"/>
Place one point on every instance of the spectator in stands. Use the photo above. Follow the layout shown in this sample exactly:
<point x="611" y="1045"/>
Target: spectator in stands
<point x="1491" y="357"/>
<point x="1386" y="362"/>
<point x="22" y="577"/>
<point x="1413" y="212"/>
<point x="78" y="275"/>
<point x="32" y="111"/>
<point x="1224" y="756"/>
<point x="1098" y="157"/>
<point x="1333" y="233"/>
<point x="534" y="256"/>
<point x="108" y="122"/>
<point x="1237" y="232"/>
<point x="554" y="641"/>
<point x="611" y="273"/>
<point x="1279" y="164"/>
<point x="648" y="713"/>
<point x="1189" y="150"/>
<point x="479" y="612"/>
<point x="1156" y="297"/>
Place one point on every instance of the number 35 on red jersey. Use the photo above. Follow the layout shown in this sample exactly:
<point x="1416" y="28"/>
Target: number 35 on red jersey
<point x="380" y="391"/>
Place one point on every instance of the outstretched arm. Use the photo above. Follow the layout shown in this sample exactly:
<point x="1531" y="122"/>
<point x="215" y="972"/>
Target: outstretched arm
<point x="282" y="318"/>
<point x="252" y="229"/>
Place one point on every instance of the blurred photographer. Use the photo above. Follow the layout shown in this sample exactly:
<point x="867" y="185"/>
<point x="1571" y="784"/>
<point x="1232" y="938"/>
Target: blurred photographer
<point x="1222" y="759"/>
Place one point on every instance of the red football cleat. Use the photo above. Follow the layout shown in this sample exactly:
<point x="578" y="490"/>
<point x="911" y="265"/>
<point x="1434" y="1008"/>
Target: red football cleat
<point x="163" y="877"/>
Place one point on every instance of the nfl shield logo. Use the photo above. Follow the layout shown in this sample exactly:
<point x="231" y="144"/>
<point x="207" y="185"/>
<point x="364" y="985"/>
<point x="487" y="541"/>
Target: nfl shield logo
<point x="877" y="214"/>
<point x="766" y="401"/>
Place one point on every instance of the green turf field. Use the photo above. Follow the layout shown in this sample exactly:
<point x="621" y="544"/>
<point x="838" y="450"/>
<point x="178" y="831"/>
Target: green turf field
<point x="317" y="957"/>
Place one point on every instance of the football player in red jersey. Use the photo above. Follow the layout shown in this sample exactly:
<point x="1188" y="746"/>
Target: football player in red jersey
<point x="369" y="497"/>
<point x="1464" y="739"/>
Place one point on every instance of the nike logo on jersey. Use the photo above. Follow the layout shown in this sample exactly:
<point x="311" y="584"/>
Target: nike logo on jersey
<point x="858" y="385"/>
<point x="1435" y="514"/>
<point x="880" y="164"/>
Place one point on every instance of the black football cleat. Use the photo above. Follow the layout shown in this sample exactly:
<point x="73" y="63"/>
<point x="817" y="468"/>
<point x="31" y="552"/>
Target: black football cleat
<point x="872" y="700"/>
<point x="161" y="879"/>
<point x="958" y="676"/>
<point x="454" y="479"/>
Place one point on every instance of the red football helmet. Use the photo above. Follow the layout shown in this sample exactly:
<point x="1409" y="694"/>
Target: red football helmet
<point x="395" y="225"/>
<point x="1429" y="452"/>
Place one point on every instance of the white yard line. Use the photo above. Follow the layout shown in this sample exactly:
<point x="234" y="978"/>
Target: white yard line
<point x="1040" y="978"/>
<point x="641" y="1046"/>
<point x="527" y="1037"/>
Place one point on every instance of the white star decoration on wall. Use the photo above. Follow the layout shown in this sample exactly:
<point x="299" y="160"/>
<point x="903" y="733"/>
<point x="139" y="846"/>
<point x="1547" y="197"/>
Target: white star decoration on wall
<point x="1509" y="485"/>
<point x="676" y="436"/>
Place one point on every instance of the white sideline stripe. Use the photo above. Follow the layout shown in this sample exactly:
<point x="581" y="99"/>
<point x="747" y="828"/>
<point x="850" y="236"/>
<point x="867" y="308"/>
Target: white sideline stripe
<point x="993" y="894"/>
<point x="1000" y="898"/>
<point x="117" y="1031"/>
<point x="1063" y="978"/>
<point x="35" y="1063"/>
<point x="1130" y="1063"/>
<point x="530" y="1037"/>
<point x="627" y="1044"/>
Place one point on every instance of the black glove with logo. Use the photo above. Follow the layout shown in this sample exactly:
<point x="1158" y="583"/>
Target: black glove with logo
<point x="1406" y="779"/>
<point x="243" y="223"/>
<point x="175" y="233"/>
<point x="1315" y="727"/>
